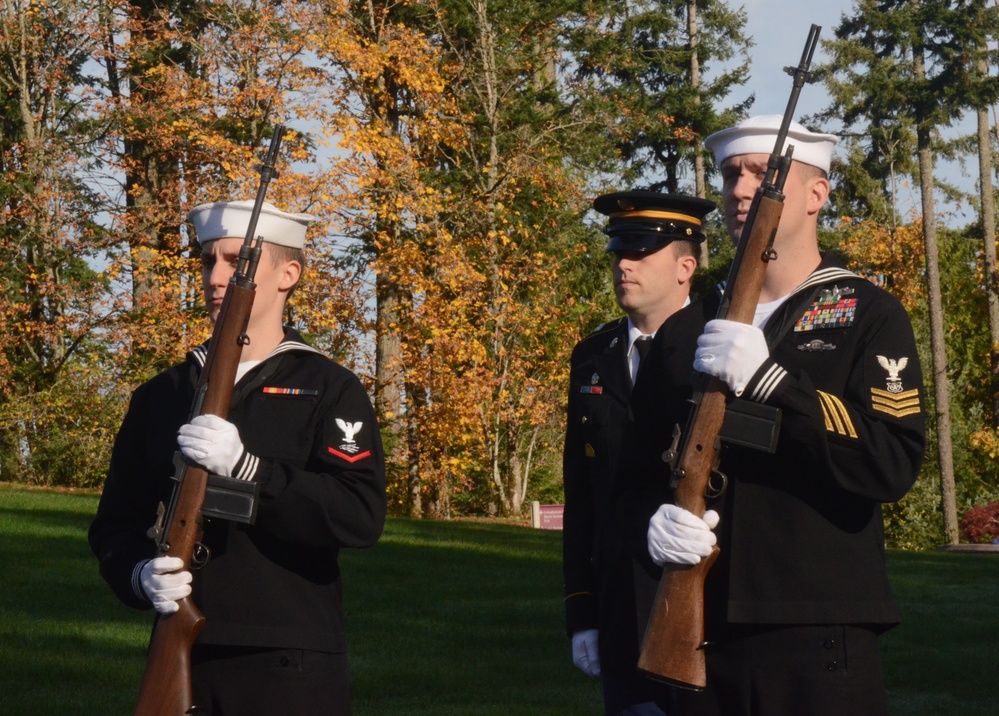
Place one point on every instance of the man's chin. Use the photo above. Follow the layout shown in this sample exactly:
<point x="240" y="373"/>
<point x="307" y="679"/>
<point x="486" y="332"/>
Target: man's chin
<point x="627" y="304"/>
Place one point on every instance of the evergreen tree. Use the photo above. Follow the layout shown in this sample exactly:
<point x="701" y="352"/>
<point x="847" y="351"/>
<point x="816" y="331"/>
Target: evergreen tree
<point x="900" y="71"/>
<point x="654" y="61"/>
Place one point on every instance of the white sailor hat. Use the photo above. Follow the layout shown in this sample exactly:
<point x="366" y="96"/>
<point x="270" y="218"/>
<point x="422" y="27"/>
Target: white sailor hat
<point x="231" y="219"/>
<point x="757" y="135"/>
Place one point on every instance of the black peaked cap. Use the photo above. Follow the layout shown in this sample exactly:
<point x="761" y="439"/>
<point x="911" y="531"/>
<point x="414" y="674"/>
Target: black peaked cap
<point x="649" y="220"/>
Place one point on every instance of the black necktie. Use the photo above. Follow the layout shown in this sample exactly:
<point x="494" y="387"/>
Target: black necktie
<point x="642" y="345"/>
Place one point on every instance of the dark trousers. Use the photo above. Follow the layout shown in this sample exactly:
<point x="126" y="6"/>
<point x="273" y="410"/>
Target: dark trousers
<point x="791" y="671"/>
<point x="242" y="681"/>
<point x="636" y="695"/>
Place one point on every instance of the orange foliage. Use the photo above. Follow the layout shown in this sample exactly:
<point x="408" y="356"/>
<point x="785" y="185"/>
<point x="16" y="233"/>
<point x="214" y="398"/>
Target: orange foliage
<point x="378" y="139"/>
<point x="894" y="259"/>
<point x="481" y="348"/>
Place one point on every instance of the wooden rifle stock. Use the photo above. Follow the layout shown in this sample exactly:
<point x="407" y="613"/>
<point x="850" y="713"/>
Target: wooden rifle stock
<point x="166" y="688"/>
<point x="672" y="649"/>
<point x="673" y="645"/>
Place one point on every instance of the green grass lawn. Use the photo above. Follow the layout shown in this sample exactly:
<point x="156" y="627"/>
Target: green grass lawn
<point x="443" y="618"/>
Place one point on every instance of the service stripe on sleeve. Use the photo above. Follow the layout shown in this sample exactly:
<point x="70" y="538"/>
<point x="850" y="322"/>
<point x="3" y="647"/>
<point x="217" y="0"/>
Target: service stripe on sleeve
<point x="836" y="416"/>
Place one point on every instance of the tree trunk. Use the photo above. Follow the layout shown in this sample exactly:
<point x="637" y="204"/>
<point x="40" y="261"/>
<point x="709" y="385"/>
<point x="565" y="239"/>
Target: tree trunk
<point x="516" y="479"/>
<point x="392" y="300"/>
<point x="145" y="173"/>
<point x="414" y="484"/>
<point x="989" y="242"/>
<point x="493" y="421"/>
<point x="941" y="393"/>
<point x="695" y="82"/>
<point x="439" y="499"/>
<point x="388" y="359"/>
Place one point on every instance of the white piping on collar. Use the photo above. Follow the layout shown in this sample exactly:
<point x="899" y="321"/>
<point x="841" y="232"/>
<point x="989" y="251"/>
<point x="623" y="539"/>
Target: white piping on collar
<point x="820" y="276"/>
<point x="200" y="354"/>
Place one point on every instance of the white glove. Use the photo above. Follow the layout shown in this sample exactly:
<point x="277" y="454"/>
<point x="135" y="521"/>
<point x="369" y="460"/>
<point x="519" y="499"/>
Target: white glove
<point x="731" y="351"/>
<point x="211" y="442"/>
<point x="584" y="652"/>
<point x="164" y="584"/>
<point x="678" y="536"/>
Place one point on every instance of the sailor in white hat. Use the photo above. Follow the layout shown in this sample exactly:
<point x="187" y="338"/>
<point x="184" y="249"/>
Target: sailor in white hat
<point x="816" y="351"/>
<point x="741" y="154"/>
<point x="221" y="229"/>
<point x="302" y="430"/>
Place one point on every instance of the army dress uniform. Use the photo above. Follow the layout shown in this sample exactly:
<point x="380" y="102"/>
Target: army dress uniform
<point x="801" y="532"/>
<point x="312" y="445"/>
<point x="601" y="378"/>
<point x="599" y="385"/>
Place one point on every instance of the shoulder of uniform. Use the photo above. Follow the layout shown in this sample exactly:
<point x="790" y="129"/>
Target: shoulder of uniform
<point x="167" y="382"/>
<point x="317" y="363"/>
<point x="596" y="340"/>
<point x="876" y="295"/>
<point x="609" y="326"/>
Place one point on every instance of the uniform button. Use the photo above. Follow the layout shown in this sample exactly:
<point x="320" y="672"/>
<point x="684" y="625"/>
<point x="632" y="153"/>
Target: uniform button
<point x="828" y="644"/>
<point x="831" y="666"/>
<point x="285" y="661"/>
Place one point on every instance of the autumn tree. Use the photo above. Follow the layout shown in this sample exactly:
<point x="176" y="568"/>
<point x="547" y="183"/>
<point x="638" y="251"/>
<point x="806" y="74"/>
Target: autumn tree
<point x="522" y="174"/>
<point x="456" y="160"/>
<point x="98" y="172"/>
<point x="53" y="300"/>
<point x="193" y="90"/>
<point x="454" y="171"/>
<point x="388" y="116"/>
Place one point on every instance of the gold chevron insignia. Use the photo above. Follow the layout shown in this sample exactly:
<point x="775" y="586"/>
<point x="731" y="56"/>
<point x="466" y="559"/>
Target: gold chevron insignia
<point x="836" y="417"/>
<point x="897" y="405"/>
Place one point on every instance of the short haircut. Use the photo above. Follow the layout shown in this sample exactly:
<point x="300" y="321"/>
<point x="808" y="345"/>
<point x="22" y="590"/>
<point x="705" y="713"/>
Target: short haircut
<point x="810" y="171"/>
<point x="682" y="248"/>
<point x="281" y="254"/>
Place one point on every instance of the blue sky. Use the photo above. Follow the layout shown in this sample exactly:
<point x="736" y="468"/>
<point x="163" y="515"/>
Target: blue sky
<point x="780" y="29"/>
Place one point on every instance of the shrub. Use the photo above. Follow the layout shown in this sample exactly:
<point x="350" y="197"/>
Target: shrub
<point x="915" y="523"/>
<point x="981" y="523"/>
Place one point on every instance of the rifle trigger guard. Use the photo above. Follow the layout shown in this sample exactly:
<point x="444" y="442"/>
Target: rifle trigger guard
<point x="200" y="556"/>
<point x="769" y="255"/>
<point x="243" y="340"/>
<point x="717" y="484"/>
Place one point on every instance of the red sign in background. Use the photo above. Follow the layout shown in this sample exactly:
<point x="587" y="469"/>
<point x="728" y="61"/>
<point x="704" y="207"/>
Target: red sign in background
<point x="547" y="517"/>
